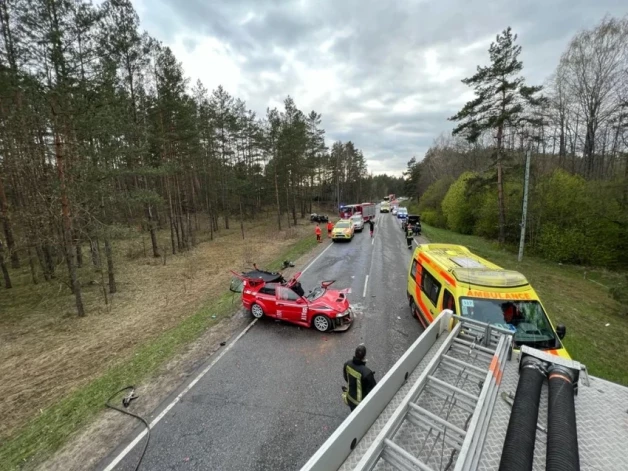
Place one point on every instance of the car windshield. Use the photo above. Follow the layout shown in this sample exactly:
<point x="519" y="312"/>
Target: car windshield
<point x="315" y="293"/>
<point x="525" y="318"/>
<point x="356" y="218"/>
<point x="403" y="210"/>
<point x="342" y="225"/>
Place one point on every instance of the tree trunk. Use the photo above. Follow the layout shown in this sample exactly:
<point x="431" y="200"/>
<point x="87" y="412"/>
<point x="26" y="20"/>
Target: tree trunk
<point x="171" y="217"/>
<point x="211" y="219"/>
<point x="500" y="189"/>
<point x="241" y="219"/>
<point x="181" y="214"/>
<point x="278" y="205"/>
<point x="79" y="254"/>
<point x="95" y="251"/>
<point x="31" y="264"/>
<point x="44" y="260"/>
<point x="151" y="229"/>
<point x="288" y="205"/>
<point x="8" y="230"/>
<point x="67" y="226"/>
<point x="589" y="148"/>
<point x="109" y="255"/>
<point x="3" y="268"/>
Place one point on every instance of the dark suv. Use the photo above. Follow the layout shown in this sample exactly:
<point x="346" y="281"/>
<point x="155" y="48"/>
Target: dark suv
<point x="414" y="220"/>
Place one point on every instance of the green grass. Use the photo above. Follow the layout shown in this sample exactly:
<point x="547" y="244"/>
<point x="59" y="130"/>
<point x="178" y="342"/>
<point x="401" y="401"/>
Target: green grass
<point x="571" y="298"/>
<point x="52" y="427"/>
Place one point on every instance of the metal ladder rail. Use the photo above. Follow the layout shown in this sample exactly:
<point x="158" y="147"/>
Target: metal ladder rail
<point x="462" y="376"/>
<point x="478" y="428"/>
<point x="378" y="448"/>
<point x="384" y="447"/>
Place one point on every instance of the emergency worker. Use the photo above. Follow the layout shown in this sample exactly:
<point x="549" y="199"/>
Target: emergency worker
<point x="409" y="235"/>
<point x="330" y="227"/>
<point x="360" y="378"/>
<point x="371" y="226"/>
<point x="318" y="233"/>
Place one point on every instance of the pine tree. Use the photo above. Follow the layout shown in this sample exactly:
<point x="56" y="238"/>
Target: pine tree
<point x="500" y="104"/>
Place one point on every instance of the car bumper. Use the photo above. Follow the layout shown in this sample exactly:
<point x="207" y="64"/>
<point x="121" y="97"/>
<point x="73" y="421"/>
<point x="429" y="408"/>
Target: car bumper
<point x="343" y="323"/>
<point x="341" y="236"/>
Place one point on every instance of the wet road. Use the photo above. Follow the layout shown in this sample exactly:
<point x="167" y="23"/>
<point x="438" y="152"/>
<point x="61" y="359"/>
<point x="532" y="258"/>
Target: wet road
<point x="274" y="397"/>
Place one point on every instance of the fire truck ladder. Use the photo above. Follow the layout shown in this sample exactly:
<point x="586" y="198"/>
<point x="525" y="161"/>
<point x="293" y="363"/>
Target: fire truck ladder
<point x="444" y="418"/>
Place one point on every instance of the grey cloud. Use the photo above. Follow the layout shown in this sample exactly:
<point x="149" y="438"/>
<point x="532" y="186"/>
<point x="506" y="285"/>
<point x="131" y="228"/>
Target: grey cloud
<point x="381" y="49"/>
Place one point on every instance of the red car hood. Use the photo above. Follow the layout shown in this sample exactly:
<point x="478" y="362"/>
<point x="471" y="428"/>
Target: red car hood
<point x="332" y="299"/>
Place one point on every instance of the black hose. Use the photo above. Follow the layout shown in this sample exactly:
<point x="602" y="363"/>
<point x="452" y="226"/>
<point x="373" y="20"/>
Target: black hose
<point x="142" y="419"/>
<point x="562" y="432"/>
<point x="518" y="450"/>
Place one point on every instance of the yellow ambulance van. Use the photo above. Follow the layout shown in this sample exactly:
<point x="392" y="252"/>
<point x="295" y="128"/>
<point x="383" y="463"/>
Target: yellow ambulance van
<point x="445" y="276"/>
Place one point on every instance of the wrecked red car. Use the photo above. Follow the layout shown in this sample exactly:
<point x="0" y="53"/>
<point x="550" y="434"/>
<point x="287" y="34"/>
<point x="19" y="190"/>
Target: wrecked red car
<point x="269" y="294"/>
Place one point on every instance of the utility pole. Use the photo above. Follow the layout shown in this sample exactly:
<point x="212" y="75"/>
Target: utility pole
<point x="524" y="214"/>
<point x="338" y="182"/>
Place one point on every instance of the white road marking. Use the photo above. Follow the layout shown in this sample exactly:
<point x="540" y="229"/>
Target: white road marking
<point x="366" y="283"/>
<point x="373" y="241"/>
<point x="169" y="407"/>
<point x="319" y="256"/>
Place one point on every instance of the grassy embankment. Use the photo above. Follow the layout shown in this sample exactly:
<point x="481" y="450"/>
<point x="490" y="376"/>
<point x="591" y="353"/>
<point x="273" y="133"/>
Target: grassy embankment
<point x="48" y="429"/>
<point x="597" y="332"/>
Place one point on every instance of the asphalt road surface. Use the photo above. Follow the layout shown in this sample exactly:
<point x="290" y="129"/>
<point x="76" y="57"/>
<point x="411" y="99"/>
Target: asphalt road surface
<point x="274" y="397"/>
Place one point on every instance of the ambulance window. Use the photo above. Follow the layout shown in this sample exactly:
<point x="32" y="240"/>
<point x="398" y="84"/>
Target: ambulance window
<point x="430" y="286"/>
<point x="448" y="301"/>
<point x="413" y="270"/>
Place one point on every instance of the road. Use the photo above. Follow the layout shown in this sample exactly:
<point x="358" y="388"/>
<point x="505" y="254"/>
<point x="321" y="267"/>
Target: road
<point x="273" y="398"/>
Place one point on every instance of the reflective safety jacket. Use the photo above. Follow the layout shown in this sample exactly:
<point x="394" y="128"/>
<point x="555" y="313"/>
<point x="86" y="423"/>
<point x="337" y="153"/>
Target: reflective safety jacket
<point x="409" y="232"/>
<point x="360" y="378"/>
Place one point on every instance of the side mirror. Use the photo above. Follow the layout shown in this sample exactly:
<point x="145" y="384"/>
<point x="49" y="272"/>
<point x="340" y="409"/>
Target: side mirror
<point x="561" y="330"/>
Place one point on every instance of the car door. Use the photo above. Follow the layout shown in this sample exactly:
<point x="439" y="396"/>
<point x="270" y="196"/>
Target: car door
<point x="290" y="306"/>
<point x="266" y="297"/>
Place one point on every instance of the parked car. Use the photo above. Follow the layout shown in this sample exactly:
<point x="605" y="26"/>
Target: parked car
<point x="268" y="294"/>
<point x="415" y="221"/>
<point x="402" y="213"/>
<point x="358" y="222"/>
<point x="318" y="218"/>
<point x="394" y="210"/>
<point x="343" y="230"/>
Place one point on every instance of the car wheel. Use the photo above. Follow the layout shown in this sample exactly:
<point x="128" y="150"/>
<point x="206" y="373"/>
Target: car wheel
<point x="321" y="323"/>
<point x="413" y="312"/>
<point x="257" y="311"/>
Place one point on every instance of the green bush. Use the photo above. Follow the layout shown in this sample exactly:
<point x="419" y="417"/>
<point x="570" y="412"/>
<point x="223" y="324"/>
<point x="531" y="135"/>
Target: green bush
<point x="580" y="222"/>
<point x="486" y="211"/>
<point x="458" y="205"/>
<point x="434" y="218"/>
<point x="430" y="203"/>
<point x="559" y="245"/>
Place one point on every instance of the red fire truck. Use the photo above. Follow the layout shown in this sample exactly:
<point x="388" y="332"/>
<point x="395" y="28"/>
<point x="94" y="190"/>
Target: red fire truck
<point x="367" y="210"/>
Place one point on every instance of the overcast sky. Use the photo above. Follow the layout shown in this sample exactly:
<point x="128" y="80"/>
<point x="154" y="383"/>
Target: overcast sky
<point x="384" y="74"/>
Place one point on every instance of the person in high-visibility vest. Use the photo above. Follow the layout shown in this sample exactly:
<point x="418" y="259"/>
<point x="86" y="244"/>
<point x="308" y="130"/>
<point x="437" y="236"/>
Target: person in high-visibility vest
<point x="330" y="227"/>
<point x="318" y="233"/>
<point x="409" y="235"/>
<point x="360" y="379"/>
